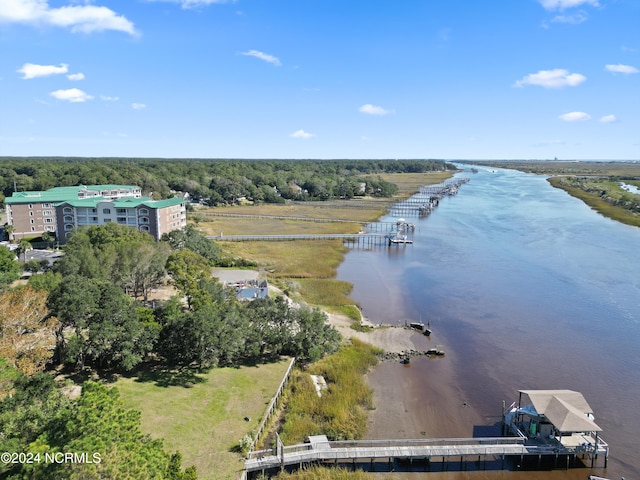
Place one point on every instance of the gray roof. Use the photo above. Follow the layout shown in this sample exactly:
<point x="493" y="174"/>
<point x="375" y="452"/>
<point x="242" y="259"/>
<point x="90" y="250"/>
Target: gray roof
<point x="566" y="409"/>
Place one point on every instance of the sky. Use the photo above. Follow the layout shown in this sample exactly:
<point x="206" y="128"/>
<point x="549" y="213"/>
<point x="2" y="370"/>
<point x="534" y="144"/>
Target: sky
<point x="448" y="79"/>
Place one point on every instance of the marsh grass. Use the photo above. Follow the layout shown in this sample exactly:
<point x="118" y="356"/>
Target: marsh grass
<point x="309" y="265"/>
<point x="317" y="472"/>
<point x="341" y="411"/>
<point x="614" y="212"/>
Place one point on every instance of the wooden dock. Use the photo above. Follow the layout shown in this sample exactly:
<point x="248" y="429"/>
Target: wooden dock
<point x="319" y="449"/>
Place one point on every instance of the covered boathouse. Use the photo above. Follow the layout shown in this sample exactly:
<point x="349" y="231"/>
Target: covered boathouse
<point x="557" y="422"/>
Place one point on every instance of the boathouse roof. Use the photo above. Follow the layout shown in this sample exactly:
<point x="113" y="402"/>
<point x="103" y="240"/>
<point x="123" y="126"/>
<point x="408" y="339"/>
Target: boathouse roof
<point x="567" y="410"/>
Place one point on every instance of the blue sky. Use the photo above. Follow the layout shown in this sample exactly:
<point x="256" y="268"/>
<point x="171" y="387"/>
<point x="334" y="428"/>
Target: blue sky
<point x="452" y="79"/>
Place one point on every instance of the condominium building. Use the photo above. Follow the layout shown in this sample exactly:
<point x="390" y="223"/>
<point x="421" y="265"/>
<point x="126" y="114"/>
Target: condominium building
<point x="59" y="210"/>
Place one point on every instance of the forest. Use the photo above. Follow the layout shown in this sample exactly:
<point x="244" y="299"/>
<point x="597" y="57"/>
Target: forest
<point x="217" y="181"/>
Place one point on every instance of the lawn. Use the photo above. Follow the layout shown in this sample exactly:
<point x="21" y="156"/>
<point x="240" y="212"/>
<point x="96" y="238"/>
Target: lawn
<point x="202" y="415"/>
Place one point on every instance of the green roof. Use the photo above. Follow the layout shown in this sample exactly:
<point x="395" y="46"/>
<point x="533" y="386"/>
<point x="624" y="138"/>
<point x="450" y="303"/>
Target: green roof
<point x="59" y="194"/>
<point x="127" y="202"/>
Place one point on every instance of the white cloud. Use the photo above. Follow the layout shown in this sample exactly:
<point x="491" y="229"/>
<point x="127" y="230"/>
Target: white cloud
<point x="563" y="4"/>
<point x="79" y="18"/>
<point x="302" y="134"/>
<point x="374" y="110"/>
<point x="575" y="116"/>
<point x="556" y="78"/>
<point x="73" y="95"/>
<point x="186" y="4"/>
<point x="75" y="76"/>
<point x="263" y="56"/>
<point x="138" y="106"/>
<point x="30" y="70"/>
<point x="621" y="68"/>
<point x="608" y="119"/>
<point x="106" y="98"/>
<point x="575" y="18"/>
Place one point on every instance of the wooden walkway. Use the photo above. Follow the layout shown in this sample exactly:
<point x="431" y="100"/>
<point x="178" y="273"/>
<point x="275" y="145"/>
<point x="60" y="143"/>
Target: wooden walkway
<point x="323" y="451"/>
<point x="443" y="450"/>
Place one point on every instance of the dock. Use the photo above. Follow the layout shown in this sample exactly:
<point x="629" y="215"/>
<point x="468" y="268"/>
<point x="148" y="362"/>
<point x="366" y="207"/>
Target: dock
<point x="320" y="450"/>
<point x="556" y="430"/>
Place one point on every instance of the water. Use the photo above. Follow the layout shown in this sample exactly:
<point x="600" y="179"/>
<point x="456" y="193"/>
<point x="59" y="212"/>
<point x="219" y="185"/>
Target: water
<point x="527" y="288"/>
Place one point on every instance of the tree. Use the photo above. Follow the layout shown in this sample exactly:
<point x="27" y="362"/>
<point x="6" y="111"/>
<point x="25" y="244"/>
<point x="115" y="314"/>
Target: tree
<point x="189" y="237"/>
<point x="23" y="247"/>
<point x="313" y="337"/>
<point x="27" y="332"/>
<point x="9" y="229"/>
<point x="187" y="270"/>
<point x="10" y="269"/>
<point x="96" y="424"/>
<point x="107" y="327"/>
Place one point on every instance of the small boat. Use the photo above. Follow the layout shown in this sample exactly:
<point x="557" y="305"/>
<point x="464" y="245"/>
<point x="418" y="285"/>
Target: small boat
<point x="435" y="351"/>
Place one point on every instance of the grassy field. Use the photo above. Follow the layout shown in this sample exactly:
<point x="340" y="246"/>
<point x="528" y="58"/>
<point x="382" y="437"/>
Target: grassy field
<point x="202" y="414"/>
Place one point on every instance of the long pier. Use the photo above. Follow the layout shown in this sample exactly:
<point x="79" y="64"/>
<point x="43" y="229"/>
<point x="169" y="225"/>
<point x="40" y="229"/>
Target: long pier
<point x="321" y="450"/>
<point x="361" y="239"/>
<point x="443" y="451"/>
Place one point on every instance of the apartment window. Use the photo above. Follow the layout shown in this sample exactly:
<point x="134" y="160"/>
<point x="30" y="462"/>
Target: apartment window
<point x="49" y="228"/>
<point x="122" y="219"/>
<point x="68" y="218"/>
<point x="68" y="228"/>
<point x="144" y="220"/>
<point x="33" y="229"/>
<point x="121" y="211"/>
<point x="106" y="220"/>
<point x="31" y="214"/>
<point x="47" y="212"/>
<point x="68" y="210"/>
<point x="144" y="228"/>
<point x="31" y="221"/>
<point x="106" y="211"/>
<point x="143" y="211"/>
<point x="31" y="205"/>
<point x="48" y="220"/>
<point x="46" y="205"/>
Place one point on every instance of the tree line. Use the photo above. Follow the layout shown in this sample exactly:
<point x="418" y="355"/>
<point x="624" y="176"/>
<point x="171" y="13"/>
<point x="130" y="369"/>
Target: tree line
<point x="214" y="181"/>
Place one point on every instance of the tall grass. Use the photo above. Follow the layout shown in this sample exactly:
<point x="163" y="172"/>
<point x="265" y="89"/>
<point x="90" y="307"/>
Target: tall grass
<point x="614" y="212"/>
<point x="341" y="412"/>
<point x="322" y="473"/>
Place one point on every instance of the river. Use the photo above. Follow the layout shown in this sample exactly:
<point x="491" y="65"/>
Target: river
<point x="525" y="287"/>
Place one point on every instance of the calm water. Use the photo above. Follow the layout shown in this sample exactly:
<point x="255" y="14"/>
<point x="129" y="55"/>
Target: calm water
<point x="526" y="288"/>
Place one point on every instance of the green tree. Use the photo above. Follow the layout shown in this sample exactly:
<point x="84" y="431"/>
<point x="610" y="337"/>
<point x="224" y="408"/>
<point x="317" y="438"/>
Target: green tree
<point x="9" y="229"/>
<point x="10" y="269"/>
<point x="188" y="270"/>
<point x="189" y="237"/>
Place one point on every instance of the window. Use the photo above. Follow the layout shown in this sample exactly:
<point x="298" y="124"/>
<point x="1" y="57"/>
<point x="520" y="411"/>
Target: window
<point x="106" y="220"/>
<point x="143" y="211"/>
<point x="68" y="228"/>
<point x="49" y="228"/>
<point x="47" y="212"/>
<point x="33" y="229"/>
<point x="144" y="220"/>
<point x="48" y="220"/>
<point x="122" y="219"/>
<point x="144" y="228"/>
<point x="31" y="214"/>
<point x="31" y="221"/>
<point x="68" y="218"/>
<point x="121" y="211"/>
<point x="106" y="211"/>
<point x="68" y="210"/>
<point x="31" y="205"/>
<point x="46" y="205"/>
